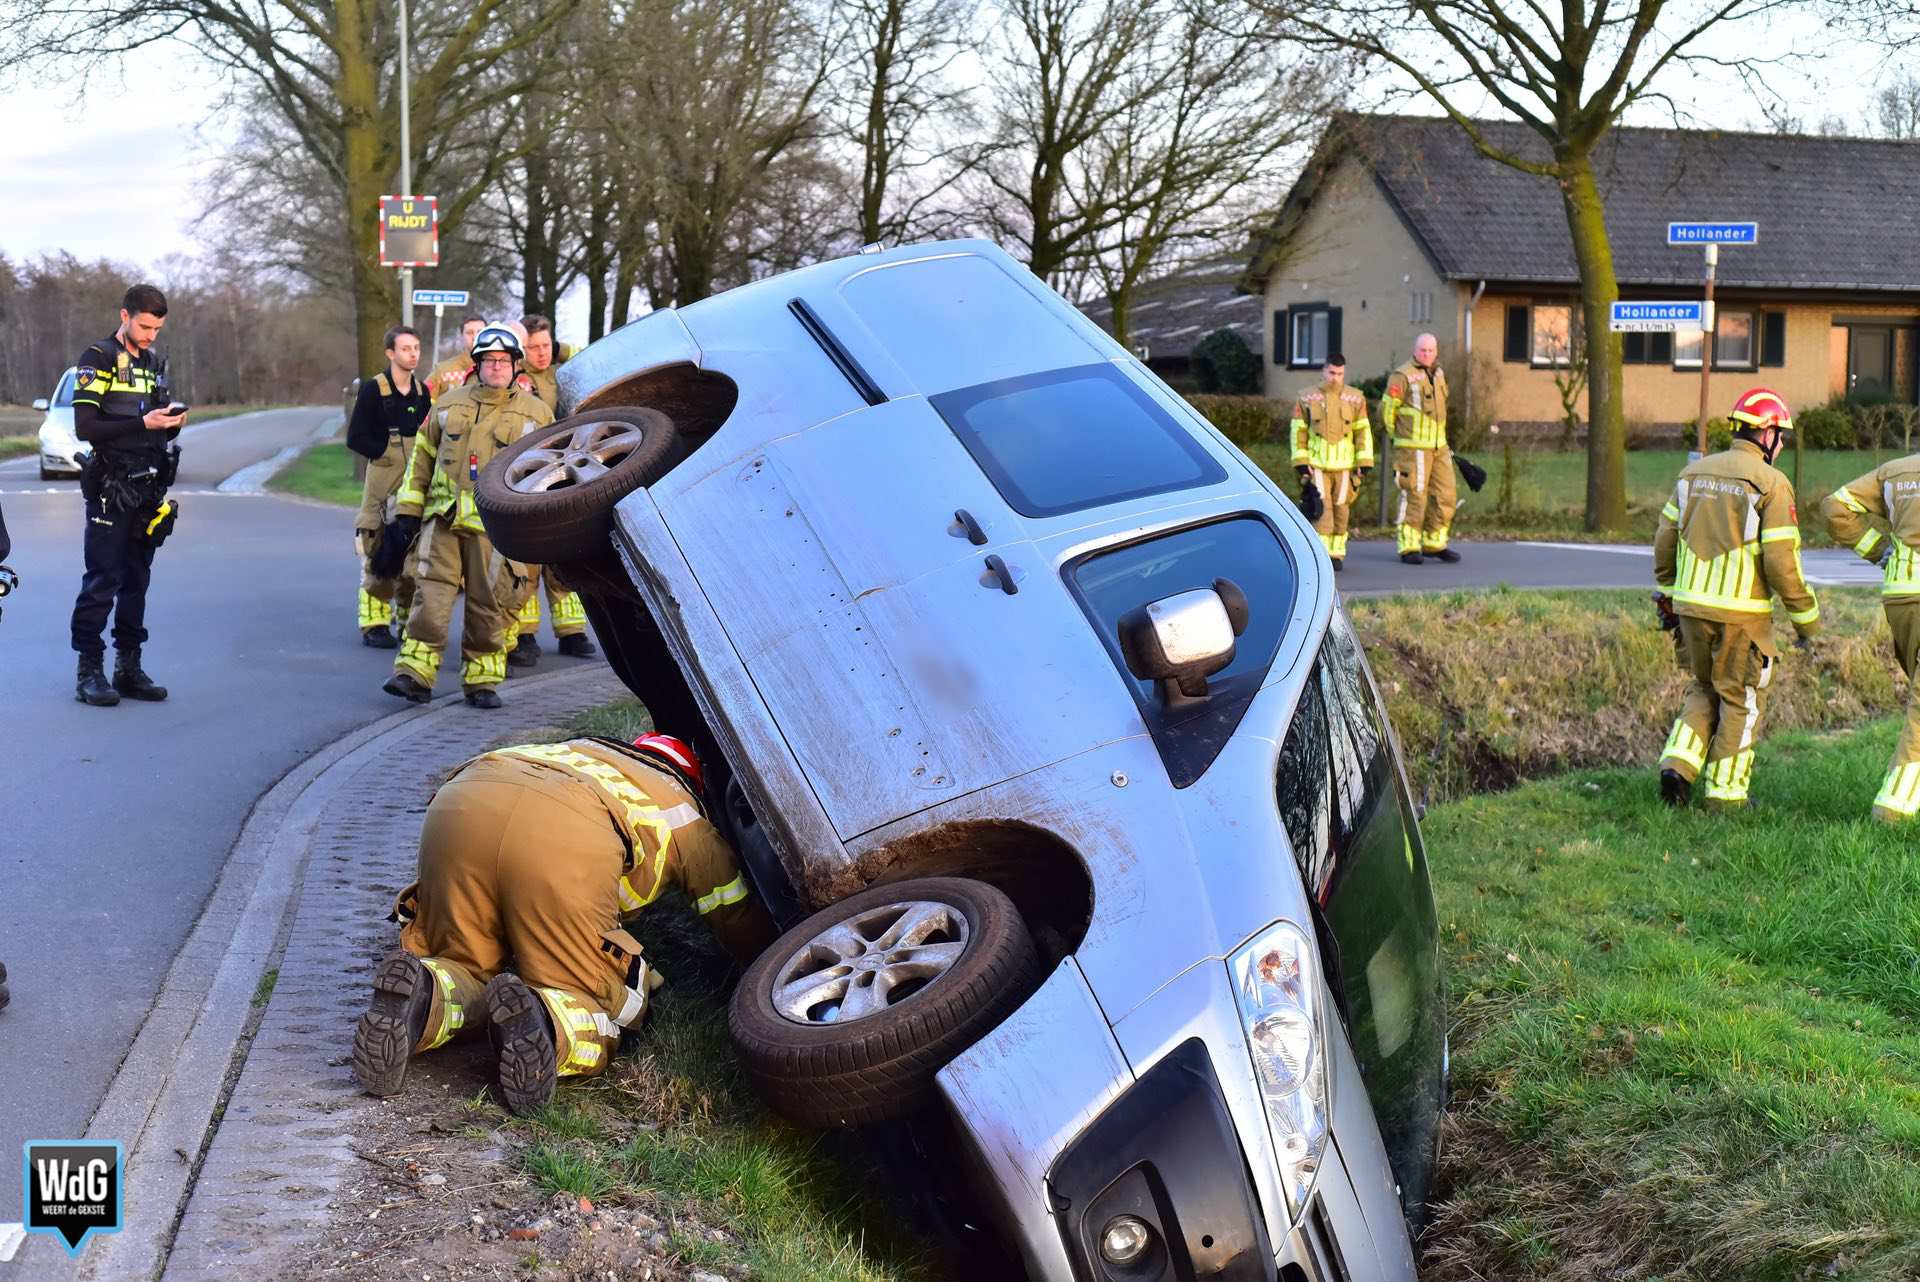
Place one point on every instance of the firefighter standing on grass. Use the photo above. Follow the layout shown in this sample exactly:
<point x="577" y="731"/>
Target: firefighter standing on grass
<point x="1332" y="441"/>
<point x="1728" y="541"/>
<point x="1891" y="494"/>
<point x="1414" y="410"/>
<point x="386" y="416"/>
<point x="435" y="516"/>
<point x="569" y="614"/>
<point x="540" y="854"/>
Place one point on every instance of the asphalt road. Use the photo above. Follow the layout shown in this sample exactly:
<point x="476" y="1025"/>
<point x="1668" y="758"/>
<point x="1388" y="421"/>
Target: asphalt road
<point x="117" y="820"/>
<point x="1373" y="568"/>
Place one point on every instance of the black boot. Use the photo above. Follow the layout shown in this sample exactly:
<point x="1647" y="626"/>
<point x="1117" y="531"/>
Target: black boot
<point x="391" y="1028"/>
<point x="1410" y="558"/>
<point x="1445" y="554"/>
<point x="407" y="687"/>
<point x="129" y="680"/>
<point x="5" y="996"/>
<point x="525" y="652"/>
<point x="1675" y="789"/>
<point x="577" y="646"/>
<point x="380" y="638"/>
<point x="522" y="1038"/>
<point x="91" y="685"/>
<point x="1339" y="563"/>
<point x="483" y="697"/>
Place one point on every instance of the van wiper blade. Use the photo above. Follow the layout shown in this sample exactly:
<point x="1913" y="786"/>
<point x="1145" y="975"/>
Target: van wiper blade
<point x="843" y="359"/>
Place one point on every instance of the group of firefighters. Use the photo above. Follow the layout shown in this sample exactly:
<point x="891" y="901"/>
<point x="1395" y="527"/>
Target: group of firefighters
<point x="418" y="531"/>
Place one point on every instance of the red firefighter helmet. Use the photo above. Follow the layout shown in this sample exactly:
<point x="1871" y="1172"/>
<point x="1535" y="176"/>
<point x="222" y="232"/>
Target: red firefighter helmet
<point x="1761" y="408"/>
<point x="677" y="753"/>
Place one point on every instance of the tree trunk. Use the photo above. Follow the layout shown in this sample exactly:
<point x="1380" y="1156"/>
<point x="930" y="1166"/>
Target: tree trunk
<point x="1599" y="288"/>
<point x="376" y="290"/>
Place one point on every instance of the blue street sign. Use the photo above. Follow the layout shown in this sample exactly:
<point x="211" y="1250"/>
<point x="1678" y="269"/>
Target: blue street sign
<point x="439" y="298"/>
<point x="1713" y="233"/>
<point x="1655" y="318"/>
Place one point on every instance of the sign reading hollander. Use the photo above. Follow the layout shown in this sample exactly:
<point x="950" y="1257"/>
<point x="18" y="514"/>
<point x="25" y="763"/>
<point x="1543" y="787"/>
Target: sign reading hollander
<point x="409" y="231"/>
<point x="1654" y="318"/>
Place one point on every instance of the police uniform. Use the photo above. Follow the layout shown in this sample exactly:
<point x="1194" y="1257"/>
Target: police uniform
<point x="542" y="854"/>
<point x="1728" y="540"/>
<point x="1891" y="494"/>
<point x="1331" y="438"/>
<point x="125" y="487"/>
<point x="453" y="553"/>
<point x="382" y="429"/>
<point x="569" y="614"/>
<point x="1415" y="411"/>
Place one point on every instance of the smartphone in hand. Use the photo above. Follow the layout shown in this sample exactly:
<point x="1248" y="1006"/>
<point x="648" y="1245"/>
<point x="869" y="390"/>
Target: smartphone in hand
<point x="178" y="407"/>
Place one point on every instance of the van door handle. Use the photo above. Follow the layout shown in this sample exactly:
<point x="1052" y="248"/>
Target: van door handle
<point x="998" y="568"/>
<point x="970" y="527"/>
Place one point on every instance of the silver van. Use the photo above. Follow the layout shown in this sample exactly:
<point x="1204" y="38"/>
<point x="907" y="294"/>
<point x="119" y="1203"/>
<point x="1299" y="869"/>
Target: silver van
<point x="1041" y="728"/>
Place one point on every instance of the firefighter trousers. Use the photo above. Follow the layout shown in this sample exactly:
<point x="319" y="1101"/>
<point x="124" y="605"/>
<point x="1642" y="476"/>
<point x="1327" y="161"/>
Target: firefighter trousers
<point x="1732" y="666"/>
<point x="1427" y="498"/>
<point x="510" y="870"/>
<point x="1336" y="489"/>
<point x="446" y="563"/>
<point x="381" y="600"/>
<point x="1899" y="798"/>
<point x="569" y="615"/>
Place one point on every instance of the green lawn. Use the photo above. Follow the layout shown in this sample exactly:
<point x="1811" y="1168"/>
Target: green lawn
<point x="14" y="446"/>
<point x="1547" y="496"/>
<point x="323" y="472"/>
<point x="20" y="425"/>
<point x="1684" y="1047"/>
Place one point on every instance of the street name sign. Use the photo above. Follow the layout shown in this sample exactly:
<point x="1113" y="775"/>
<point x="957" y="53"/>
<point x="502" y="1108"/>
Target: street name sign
<point x="439" y="298"/>
<point x="409" y="231"/>
<point x="1656" y="318"/>
<point x="1713" y="233"/>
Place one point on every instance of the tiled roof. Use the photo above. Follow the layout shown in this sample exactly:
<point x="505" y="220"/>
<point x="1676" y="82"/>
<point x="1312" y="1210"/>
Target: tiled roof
<point x="1834" y="213"/>
<point x="1172" y="314"/>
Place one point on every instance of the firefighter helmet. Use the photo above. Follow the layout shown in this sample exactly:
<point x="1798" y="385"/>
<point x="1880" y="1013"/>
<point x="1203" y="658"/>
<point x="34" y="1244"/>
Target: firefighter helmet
<point x="496" y="338"/>
<point x="677" y="753"/>
<point x="1761" y="408"/>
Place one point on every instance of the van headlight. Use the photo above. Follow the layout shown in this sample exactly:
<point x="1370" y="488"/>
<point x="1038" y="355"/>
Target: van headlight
<point x="1276" y="985"/>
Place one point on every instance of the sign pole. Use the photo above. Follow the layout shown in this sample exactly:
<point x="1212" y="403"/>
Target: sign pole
<point x="406" y="166"/>
<point x="1707" y="328"/>
<point x="439" y="310"/>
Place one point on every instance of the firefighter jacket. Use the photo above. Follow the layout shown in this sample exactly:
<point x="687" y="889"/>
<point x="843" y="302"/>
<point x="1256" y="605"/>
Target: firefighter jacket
<point x="1890" y="493"/>
<point x="1730" y="538"/>
<point x="449" y="374"/>
<point x="460" y="436"/>
<point x="1415" y="407"/>
<point x="1330" y="430"/>
<point x="545" y="384"/>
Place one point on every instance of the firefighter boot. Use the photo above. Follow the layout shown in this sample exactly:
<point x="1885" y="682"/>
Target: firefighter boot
<point x="577" y="646"/>
<point x="379" y="637"/>
<point x="393" y="1025"/>
<point x="1675" y="788"/>
<point x="1411" y="558"/>
<point x="5" y="996"/>
<point x="525" y="652"/>
<point x="130" y="681"/>
<point x="1445" y="554"/>
<point x="483" y="697"/>
<point x="408" y="687"/>
<point x="91" y="685"/>
<point x="522" y="1038"/>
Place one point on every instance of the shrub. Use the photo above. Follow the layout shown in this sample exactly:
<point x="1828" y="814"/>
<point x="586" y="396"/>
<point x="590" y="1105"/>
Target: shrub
<point x="1246" y="420"/>
<point x="1222" y="365"/>
<point x="1826" y="427"/>
<point x="1719" y="433"/>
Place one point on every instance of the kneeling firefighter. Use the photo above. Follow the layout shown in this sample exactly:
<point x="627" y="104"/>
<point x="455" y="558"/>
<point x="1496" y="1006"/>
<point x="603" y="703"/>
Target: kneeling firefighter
<point x="518" y="860"/>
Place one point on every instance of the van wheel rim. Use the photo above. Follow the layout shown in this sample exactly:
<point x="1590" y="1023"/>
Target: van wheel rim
<point x="870" y="962"/>
<point x="581" y="457"/>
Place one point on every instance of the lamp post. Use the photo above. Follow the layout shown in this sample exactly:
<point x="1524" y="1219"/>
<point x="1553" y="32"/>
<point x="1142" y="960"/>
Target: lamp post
<point x="406" y="165"/>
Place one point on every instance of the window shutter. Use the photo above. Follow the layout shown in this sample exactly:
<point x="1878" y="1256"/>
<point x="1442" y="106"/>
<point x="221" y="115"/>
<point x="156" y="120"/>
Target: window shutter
<point x="1773" y="340"/>
<point x="1519" y="333"/>
<point x="1280" y="332"/>
<point x="1633" y="349"/>
<point x="1660" y="349"/>
<point x="1333" y="330"/>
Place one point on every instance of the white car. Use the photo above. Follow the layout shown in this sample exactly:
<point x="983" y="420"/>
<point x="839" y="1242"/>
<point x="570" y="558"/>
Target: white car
<point x="60" y="449"/>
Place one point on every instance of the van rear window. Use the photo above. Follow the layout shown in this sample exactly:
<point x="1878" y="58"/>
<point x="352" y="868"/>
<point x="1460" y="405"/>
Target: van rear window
<point x="1064" y="440"/>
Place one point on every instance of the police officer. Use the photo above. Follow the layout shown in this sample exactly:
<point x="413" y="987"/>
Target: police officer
<point x="569" y="614"/>
<point x="121" y="407"/>
<point x="540" y="854"/>
<point x="435" y="515"/>
<point x="453" y="371"/>
<point x="387" y="414"/>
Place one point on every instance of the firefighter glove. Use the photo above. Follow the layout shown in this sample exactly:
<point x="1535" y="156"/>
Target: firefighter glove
<point x="1311" y="504"/>
<point x="1883" y="553"/>
<point x="1471" y="472"/>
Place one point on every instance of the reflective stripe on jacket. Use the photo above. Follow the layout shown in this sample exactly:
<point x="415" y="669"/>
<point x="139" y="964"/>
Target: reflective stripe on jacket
<point x="1330" y="430"/>
<point x="1729" y="539"/>
<point x="1415" y="407"/>
<point x="1890" y="496"/>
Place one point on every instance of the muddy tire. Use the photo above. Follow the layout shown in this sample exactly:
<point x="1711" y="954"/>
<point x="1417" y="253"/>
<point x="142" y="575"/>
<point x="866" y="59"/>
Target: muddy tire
<point x="847" y="1017"/>
<point x="548" y="498"/>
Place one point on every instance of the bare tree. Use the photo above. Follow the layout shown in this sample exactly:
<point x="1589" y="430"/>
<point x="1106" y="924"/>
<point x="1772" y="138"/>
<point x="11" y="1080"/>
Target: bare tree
<point x="1568" y="74"/>
<point x="1898" y="105"/>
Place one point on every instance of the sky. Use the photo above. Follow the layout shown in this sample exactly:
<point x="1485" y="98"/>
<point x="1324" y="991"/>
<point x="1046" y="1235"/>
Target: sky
<point x="114" y="176"/>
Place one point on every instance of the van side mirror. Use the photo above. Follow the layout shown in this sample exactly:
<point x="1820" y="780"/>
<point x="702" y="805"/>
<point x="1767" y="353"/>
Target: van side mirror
<point x="1181" y="640"/>
<point x="40" y="403"/>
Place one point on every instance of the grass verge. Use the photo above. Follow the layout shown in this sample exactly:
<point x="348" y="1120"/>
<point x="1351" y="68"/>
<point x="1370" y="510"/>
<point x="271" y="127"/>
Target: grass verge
<point x="323" y="473"/>
<point x="1489" y="688"/>
<point x="1683" y="1047"/>
<point x="675" y="1128"/>
<point x="15" y="446"/>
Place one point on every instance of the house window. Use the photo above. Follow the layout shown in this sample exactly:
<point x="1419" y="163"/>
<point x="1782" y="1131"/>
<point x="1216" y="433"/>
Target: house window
<point x="1733" y="343"/>
<point x="1552" y="334"/>
<point x="1313" y="330"/>
<point x="1419" y="306"/>
<point x="1646" y="349"/>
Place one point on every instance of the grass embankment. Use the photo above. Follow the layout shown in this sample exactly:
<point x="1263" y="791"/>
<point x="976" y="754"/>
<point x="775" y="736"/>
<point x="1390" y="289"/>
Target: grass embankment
<point x="1549" y="491"/>
<point x="1489" y="688"/>
<point x="323" y="473"/>
<point x="676" y="1129"/>
<point x="1684" y="1047"/>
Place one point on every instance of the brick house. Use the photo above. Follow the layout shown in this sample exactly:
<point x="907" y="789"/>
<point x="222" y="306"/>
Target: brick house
<point x="1397" y="226"/>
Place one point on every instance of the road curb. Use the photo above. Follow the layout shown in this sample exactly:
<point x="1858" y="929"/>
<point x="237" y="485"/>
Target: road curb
<point x="167" y="1095"/>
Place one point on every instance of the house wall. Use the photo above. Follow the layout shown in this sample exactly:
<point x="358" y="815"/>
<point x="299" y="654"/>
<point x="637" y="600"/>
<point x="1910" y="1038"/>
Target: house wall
<point x="1353" y="251"/>
<point x="1660" y="394"/>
